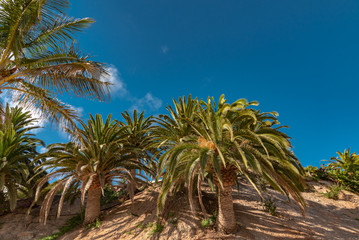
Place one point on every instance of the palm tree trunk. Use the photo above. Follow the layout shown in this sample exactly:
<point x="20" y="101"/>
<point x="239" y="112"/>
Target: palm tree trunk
<point x="131" y="185"/>
<point x="93" y="206"/>
<point x="226" y="221"/>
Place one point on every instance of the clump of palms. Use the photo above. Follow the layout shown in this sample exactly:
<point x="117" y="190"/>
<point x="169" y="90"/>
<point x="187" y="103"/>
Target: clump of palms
<point x="99" y="156"/>
<point x="221" y="141"/>
<point x="38" y="59"/>
<point x="17" y="151"/>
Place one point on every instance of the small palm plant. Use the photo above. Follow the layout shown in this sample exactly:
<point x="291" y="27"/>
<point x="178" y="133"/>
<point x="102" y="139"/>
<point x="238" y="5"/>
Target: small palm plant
<point x="345" y="161"/>
<point x="17" y="151"/>
<point x="98" y="157"/>
<point x="224" y="140"/>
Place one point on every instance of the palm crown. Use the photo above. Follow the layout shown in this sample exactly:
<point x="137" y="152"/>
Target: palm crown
<point x="224" y="140"/>
<point x="346" y="161"/>
<point x="17" y="150"/>
<point x="38" y="59"/>
<point x="98" y="157"/>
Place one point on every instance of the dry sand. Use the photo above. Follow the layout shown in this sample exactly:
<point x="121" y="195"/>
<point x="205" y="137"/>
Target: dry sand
<point x="325" y="218"/>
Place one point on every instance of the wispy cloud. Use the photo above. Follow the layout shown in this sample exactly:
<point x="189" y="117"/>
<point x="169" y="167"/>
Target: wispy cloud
<point x="149" y="102"/>
<point x="118" y="87"/>
<point x="164" y="49"/>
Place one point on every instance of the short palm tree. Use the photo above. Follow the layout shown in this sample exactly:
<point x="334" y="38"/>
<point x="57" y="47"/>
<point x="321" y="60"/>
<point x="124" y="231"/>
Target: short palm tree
<point x="228" y="139"/>
<point x="137" y="129"/>
<point x="98" y="157"/>
<point x="346" y="161"/>
<point x="38" y="59"/>
<point x="17" y="150"/>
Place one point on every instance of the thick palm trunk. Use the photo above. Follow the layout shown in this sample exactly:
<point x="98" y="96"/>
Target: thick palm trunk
<point x="93" y="206"/>
<point x="131" y="185"/>
<point x="226" y="221"/>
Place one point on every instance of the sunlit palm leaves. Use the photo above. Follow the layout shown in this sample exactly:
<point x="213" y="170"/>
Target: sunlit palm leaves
<point x="38" y="59"/>
<point x="100" y="156"/>
<point x="226" y="139"/>
<point x="345" y="161"/>
<point x="17" y="150"/>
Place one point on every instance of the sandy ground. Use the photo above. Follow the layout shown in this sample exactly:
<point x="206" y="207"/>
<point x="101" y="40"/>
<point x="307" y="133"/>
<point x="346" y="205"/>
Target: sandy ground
<point x="325" y="218"/>
<point x="17" y="225"/>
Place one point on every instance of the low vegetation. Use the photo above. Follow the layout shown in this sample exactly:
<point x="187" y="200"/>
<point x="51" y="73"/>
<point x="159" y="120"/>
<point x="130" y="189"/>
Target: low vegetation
<point x="342" y="171"/>
<point x="69" y="225"/>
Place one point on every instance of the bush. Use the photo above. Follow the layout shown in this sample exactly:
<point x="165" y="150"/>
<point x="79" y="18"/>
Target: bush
<point x="208" y="222"/>
<point x="95" y="224"/>
<point x="156" y="228"/>
<point x="334" y="191"/>
<point x="173" y="221"/>
<point x="270" y="207"/>
<point x="69" y="225"/>
<point x="109" y="196"/>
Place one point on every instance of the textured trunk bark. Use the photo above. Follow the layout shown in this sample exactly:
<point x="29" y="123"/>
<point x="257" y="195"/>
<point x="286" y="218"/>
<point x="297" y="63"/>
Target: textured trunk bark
<point x="226" y="221"/>
<point x="93" y="206"/>
<point x="133" y="182"/>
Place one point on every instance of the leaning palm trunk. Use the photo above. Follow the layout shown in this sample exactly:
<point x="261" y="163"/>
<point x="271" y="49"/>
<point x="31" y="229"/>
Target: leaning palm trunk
<point x="226" y="220"/>
<point x="93" y="206"/>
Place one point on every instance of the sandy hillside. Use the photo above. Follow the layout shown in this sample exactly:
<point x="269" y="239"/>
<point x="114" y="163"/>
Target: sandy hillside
<point x="325" y="219"/>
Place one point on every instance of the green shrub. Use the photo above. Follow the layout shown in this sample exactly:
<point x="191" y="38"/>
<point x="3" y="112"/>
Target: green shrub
<point x="69" y="225"/>
<point x="270" y="207"/>
<point x="334" y="191"/>
<point x="95" y="224"/>
<point x="205" y="223"/>
<point x="109" y="195"/>
<point x="156" y="228"/>
<point x="140" y="225"/>
<point x="173" y="221"/>
<point x="208" y="222"/>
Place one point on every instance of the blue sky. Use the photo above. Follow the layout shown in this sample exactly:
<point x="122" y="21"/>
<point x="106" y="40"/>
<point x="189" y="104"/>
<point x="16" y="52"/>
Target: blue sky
<point x="299" y="58"/>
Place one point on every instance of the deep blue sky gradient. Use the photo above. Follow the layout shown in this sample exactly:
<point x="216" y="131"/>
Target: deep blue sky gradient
<point x="299" y="58"/>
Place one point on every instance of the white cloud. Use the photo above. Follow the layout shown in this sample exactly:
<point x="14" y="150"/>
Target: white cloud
<point x="42" y="150"/>
<point x="119" y="87"/>
<point x="147" y="102"/>
<point x="35" y="113"/>
<point x="164" y="49"/>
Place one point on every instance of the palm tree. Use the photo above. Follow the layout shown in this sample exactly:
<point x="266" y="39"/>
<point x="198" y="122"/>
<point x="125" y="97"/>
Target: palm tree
<point x="345" y="161"/>
<point x="17" y="150"/>
<point x="99" y="157"/>
<point x="137" y="131"/>
<point x="38" y="59"/>
<point x="228" y="139"/>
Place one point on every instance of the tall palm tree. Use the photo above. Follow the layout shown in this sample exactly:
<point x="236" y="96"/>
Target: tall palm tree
<point x="17" y="150"/>
<point x="137" y="130"/>
<point x="38" y="59"/>
<point x="98" y="157"/>
<point x="225" y="140"/>
<point x="346" y="161"/>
